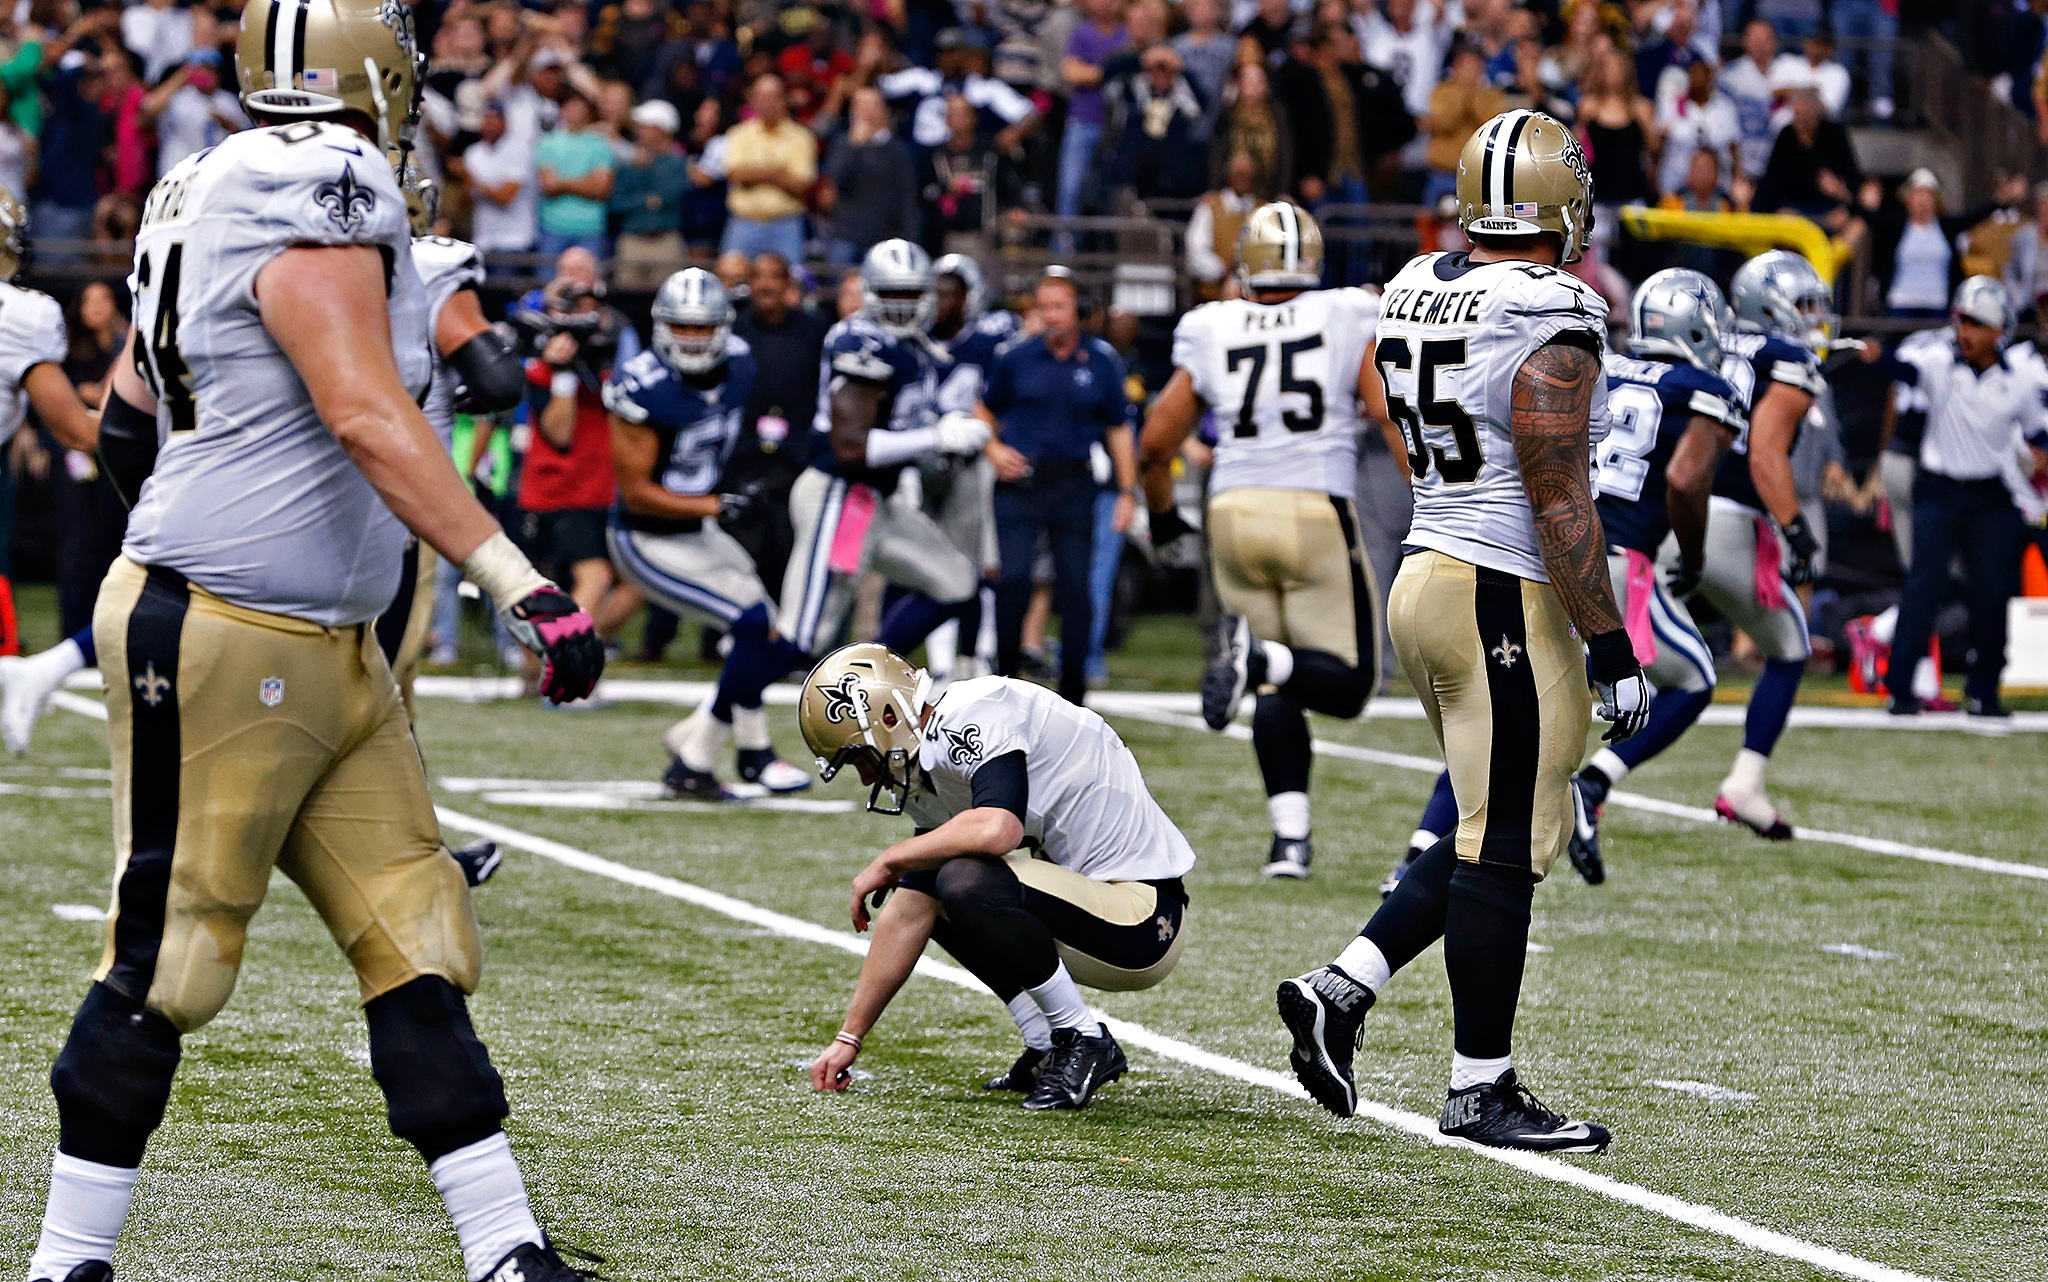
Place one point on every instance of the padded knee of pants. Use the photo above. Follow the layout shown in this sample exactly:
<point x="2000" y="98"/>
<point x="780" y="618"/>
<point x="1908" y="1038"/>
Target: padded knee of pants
<point x="969" y="888"/>
<point x="113" y="1077"/>
<point x="439" y="1086"/>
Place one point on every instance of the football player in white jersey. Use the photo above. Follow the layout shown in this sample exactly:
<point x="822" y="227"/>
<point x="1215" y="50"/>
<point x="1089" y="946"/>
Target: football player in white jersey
<point x="32" y="351"/>
<point x="1492" y="364"/>
<point x="1040" y="860"/>
<point x="282" y="341"/>
<point x="1287" y="370"/>
<point x="1784" y="322"/>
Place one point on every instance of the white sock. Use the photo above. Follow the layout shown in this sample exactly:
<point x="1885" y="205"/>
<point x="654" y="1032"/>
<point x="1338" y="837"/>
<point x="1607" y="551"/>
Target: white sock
<point x="1290" y="814"/>
<point x="1926" y="679"/>
<point x="1747" y="774"/>
<point x="1607" y="763"/>
<point x="88" y="1204"/>
<point x="1062" y="1004"/>
<point x="1422" y="839"/>
<point x="61" y="659"/>
<point x="1364" y="962"/>
<point x="942" y="649"/>
<point x="750" y="728"/>
<point x="1031" y="1022"/>
<point x="1466" y="1071"/>
<point x="696" y="739"/>
<point x="486" y="1198"/>
<point x="1279" y="663"/>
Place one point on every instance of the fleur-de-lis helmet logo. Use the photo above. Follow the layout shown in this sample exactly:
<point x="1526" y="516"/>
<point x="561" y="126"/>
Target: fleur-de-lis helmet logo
<point x="845" y="700"/>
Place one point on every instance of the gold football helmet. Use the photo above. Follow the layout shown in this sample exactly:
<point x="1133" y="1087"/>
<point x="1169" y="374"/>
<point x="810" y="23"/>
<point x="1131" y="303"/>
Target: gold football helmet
<point x="1280" y="247"/>
<point x="1523" y="173"/>
<point x="13" y="236"/>
<point x="862" y="704"/>
<point x="316" y="58"/>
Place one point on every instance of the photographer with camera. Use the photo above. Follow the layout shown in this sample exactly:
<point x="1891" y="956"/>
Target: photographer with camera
<point x="572" y="340"/>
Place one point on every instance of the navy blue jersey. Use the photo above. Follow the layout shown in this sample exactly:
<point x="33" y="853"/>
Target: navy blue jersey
<point x="908" y="370"/>
<point x="1751" y="363"/>
<point x="1651" y="403"/>
<point x="694" y="421"/>
<point x="972" y="351"/>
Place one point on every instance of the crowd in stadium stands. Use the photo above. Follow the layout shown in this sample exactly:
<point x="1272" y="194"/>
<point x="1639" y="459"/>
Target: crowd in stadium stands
<point x="575" y="139"/>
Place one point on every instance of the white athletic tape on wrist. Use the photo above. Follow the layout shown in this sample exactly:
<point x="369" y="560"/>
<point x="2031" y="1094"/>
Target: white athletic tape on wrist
<point x="503" y="571"/>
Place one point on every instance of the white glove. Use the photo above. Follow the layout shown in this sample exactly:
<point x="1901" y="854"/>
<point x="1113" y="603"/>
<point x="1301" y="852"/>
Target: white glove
<point x="1626" y="703"/>
<point x="961" y="433"/>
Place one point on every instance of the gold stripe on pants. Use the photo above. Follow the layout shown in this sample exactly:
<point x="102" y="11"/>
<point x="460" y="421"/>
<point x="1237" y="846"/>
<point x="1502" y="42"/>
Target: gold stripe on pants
<point x="1503" y="682"/>
<point x="244" y="741"/>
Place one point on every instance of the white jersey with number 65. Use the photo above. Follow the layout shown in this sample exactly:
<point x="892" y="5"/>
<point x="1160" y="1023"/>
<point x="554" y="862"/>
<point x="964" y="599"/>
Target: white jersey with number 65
<point x="1452" y="336"/>
<point x="1282" y="380"/>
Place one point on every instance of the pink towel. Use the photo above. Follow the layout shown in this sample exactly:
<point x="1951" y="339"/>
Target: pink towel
<point x="856" y="513"/>
<point x="1770" y="570"/>
<point x="1635" y="612"/>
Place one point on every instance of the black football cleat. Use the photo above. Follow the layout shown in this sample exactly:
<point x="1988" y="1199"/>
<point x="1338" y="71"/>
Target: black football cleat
<point x="1503" y="1114"/>
<point x="90" y="1271"/>
<point x="1077" y="1066"/>
<point x="1288" y="858"/>
<point x="762" y="766"/>
<point x="1584" y="846"/>
<point x="1239" y="665"/>
<point x="534" y="1262"/>
<point x="1325" y="1011"/>
<point x="1021" y="1076"/>
<point x="479" y="860"/>
<point x="685" y="784"/>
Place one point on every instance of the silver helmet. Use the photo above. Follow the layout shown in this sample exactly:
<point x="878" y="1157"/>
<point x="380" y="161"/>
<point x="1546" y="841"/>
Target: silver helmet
<point x="693" y="297"/>
<point x="896" y="287"/>
<point x="1779" y="292"/>
<point x="1678" y="313"/>
<point x="1984" y="299"/>
<point x="969" y="272"/>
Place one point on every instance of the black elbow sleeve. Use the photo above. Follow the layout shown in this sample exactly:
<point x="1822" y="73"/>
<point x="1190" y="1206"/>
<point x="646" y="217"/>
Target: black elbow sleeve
<point x="493" y="377"/>
<point x="128" y="446"/>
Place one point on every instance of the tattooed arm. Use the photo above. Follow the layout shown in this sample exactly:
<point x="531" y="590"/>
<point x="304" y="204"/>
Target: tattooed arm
<point x="1553" y="398"/>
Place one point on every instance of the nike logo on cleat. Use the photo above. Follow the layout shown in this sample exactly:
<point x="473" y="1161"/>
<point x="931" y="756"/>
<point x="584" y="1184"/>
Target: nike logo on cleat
<point x="1460" y="1110"/>
<point x="1338" y="991"/>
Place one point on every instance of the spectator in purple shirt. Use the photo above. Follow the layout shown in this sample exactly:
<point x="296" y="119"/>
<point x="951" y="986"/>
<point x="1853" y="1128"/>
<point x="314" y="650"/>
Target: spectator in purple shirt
<point x="1095" y="38"/>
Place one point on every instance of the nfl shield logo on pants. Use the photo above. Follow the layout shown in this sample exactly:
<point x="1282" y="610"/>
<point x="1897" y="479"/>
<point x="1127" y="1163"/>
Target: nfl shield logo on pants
<point x="271" y="691"/>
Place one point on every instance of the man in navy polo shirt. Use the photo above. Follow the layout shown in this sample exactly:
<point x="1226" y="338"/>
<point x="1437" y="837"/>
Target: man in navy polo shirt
<point x="1050" y="398"/>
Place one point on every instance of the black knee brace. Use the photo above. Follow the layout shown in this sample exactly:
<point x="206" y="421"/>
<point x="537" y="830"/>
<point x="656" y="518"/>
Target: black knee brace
<point x="112" y="1078"/>
<point x="990" y="931"/>
<point x="439" y="1087"/>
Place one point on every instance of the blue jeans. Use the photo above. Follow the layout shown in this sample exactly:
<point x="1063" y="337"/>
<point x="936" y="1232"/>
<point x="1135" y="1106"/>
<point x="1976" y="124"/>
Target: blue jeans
<point x="1077" y="157"/>
<point x="781" y="236"/>
<point x="1108" y="555"/>
<point x="1867" y="20"/>
<point x="552" y="243"/>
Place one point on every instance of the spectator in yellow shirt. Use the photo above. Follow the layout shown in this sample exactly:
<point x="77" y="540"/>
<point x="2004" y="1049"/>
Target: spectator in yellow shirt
<point x="771" y="162"/>
<point x="1457" y="107"/>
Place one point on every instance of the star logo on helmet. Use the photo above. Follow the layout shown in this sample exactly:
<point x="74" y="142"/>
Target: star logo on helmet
<point x="845" y="700"/>
<point x="346" y="201"/>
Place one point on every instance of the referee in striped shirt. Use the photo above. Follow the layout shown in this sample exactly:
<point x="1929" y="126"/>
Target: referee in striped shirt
<point x="1985" y="437"/>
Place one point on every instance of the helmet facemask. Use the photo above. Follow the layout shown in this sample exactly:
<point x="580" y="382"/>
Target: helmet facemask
<point x="865" y="707"/>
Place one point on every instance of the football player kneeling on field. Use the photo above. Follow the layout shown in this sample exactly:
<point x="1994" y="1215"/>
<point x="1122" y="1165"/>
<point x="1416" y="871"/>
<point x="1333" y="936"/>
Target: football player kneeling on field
<point x="1040" y="860"/>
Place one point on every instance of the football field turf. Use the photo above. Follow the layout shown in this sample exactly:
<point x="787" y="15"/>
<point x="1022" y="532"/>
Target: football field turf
<point x="1835" y="1049"/>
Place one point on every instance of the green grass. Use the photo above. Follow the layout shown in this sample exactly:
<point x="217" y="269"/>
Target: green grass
<point x="650" y="1047"/>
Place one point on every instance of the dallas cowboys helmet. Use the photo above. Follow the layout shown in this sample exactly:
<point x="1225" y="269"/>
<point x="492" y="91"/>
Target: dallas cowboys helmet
<point x="1678" y="313"/>
<point x="1779" y="292"/>
<point x="1984" y="299"/>
<point x="969" y="272"/>
<point x="896" y="287"/>
<point x="694" y="297"/>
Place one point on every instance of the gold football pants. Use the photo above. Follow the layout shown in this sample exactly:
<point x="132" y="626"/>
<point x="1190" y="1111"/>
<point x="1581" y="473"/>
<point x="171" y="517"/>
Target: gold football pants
<point x="1503" y="682"/>
<point x="1289" y="561"/>
<point x="244" y="741"/>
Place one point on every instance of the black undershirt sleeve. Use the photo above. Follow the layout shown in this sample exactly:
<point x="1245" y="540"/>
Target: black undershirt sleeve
<point x="1003" y="781"/>
<point x="128" y="445"/>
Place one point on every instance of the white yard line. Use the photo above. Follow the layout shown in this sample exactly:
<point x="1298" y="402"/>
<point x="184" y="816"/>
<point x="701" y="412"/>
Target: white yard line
<point x="1742" y="1231"/>
<point x="1632" y="801"/>
<point x="1705" y="1090"/>
<point x="1859" y="951"/>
